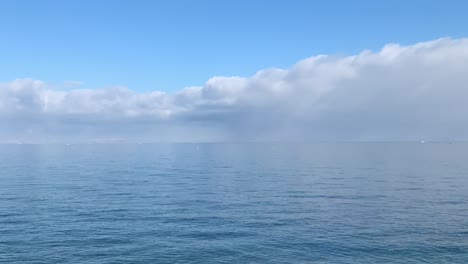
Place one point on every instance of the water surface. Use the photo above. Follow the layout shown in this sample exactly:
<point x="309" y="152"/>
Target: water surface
<point x="234" y="203"/>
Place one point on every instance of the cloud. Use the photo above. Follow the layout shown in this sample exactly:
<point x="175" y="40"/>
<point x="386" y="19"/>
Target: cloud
<point x="398" y="93"/>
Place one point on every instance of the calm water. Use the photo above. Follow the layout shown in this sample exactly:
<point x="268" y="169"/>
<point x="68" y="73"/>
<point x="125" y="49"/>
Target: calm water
<point x="234" y="203"/>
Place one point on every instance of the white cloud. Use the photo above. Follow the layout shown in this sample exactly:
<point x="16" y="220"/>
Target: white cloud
<point x="398" y="93"/>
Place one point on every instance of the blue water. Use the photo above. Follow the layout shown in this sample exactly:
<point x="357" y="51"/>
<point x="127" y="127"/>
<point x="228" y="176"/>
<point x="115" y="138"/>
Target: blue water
<point x="234" y="203"/>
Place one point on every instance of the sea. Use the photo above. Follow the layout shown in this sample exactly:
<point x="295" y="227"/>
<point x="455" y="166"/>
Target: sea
<point x="234" y="203"/>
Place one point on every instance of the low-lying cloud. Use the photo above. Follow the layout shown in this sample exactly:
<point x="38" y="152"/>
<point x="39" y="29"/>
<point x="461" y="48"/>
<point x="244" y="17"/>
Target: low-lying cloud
<point x="398" y="93"/>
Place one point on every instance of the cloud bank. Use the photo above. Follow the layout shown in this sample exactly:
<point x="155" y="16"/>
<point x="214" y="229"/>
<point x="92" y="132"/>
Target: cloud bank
<point x="398" y="93"/>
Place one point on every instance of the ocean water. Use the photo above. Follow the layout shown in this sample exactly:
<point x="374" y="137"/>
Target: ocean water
<point x="234" y="203"/>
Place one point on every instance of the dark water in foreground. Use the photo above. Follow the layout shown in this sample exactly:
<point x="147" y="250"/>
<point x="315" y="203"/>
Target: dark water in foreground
<point x="234" y="203"/>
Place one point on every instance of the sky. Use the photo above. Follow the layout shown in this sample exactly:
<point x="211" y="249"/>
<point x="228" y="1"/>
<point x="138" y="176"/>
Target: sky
<point x="78" y="71"/>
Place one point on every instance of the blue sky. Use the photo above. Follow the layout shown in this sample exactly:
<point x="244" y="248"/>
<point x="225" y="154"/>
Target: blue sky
<point x="203" y="71"/>
<point x="167" y="45"/>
